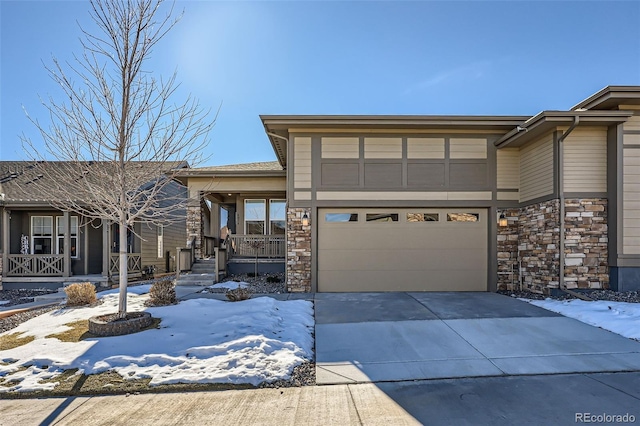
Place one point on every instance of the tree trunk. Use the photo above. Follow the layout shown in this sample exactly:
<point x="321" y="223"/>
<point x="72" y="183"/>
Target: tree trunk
<point x="123" y="273"/>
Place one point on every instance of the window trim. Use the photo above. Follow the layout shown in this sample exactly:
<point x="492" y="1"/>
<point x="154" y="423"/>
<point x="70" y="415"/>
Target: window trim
<point x="264" y="221"/>
<point x="160" y="240"/>
<point x="33" y="236"/>
<point x="284" y="220"/>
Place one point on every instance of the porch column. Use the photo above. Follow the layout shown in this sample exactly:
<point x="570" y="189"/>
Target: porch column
<point x="106" y="248"/>
<point x="66" y="247"/>
<point x="6" y="231"/>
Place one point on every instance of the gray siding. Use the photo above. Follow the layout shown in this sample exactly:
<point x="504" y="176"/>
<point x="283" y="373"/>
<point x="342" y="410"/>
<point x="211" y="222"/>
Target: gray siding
<point x="175" y="234"/>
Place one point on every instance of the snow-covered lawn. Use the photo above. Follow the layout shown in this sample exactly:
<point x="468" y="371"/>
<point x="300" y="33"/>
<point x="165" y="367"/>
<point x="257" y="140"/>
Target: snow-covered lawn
<point x="199" y="341"/>
<point x="619" y="317"/>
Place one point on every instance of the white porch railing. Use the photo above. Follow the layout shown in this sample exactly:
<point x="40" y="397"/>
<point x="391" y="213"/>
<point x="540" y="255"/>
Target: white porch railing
<point x="134" y="264"/>
<point x="270" y="246"/>
<point x="33" y="265"/>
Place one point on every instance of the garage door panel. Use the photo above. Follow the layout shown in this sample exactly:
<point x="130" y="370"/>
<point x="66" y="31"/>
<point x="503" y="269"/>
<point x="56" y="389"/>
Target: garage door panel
<point x="354" y="260"/>
<point x="401" y="255"/>
<point x="417" y="238"/>
<point x="436" y="280"/>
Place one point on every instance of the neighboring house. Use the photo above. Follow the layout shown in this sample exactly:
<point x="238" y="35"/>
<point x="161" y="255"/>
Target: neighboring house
<point x="439" y="203"/>
<point x="33" y="237"/>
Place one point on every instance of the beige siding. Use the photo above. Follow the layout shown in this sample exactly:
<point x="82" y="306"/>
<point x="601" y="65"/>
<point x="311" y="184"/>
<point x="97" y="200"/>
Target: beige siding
<point x="467" y="148"/>
<point x="302" y="195"/>
<point x="633" y="123"/>
<point x="631" y="202"/>
<point x="502" y="195"/>
<point x="425" y="148"/>
<point x="302" y="162"/>
<point x="340" y="147"/>
<point x="237" y="184"/>
<point x="382" y="147"/>
<point x="585" y="160"/>
<point x="631" y="139"/>
<point x="536" y="169"/>
<point x="508" y="168"/>
<point x="403" y="195"/>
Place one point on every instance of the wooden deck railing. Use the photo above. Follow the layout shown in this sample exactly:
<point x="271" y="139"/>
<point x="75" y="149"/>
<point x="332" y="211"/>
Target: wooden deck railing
<point x="33" y="265"/>
<point x="134" y="264"/>
<point x="270" y="246"/>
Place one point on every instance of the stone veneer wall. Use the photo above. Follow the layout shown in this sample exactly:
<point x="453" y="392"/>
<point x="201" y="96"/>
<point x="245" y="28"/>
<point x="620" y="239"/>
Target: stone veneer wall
<point x="537" y="233"/>
<point x="508" y="269"/>
<point x="298" y="252"/>
<point x="586" y="243"/>
<point x="195" y="226"/>
<point x="538" y="243"/>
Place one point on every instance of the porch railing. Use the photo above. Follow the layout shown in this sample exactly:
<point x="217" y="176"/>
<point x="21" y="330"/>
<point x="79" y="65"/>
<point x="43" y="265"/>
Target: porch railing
<point x="134" y="264"/>
<point x="209" y="244"/>
<point x="31" y="265"/>
<point x="269" y="246"/>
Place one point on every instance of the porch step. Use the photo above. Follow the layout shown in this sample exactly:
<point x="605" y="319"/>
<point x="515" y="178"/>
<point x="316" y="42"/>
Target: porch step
<point x="199" y="279"/>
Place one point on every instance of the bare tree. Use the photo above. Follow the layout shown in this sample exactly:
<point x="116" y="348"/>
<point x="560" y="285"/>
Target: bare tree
<point x="116" y="136"/>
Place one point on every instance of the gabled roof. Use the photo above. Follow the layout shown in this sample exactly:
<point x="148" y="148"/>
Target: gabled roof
<point x="610" y="97"/>
<point x="278" y="127"/>
<point x="24" y="182"/>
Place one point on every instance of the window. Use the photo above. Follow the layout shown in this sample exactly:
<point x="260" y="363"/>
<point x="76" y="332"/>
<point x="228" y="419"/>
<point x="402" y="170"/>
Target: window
<point x="160" y="234"/>
<point x="41" y="234"/>
<point x="254" y="216"/>
<point x="73" y="233"/>
<point x="341" y="217"/>
<point x="423" y="217"/>
<point x="277" y="217"/>
<point x="463" y="217"/>
<point x="382" y="217"/>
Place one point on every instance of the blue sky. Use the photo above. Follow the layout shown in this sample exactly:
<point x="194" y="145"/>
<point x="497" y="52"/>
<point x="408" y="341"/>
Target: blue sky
<point x="358" y="57"/>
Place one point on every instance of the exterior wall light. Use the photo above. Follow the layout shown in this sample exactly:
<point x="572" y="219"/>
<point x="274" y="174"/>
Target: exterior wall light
<point x="305" y="219"/>
<point x="503" y="220"/>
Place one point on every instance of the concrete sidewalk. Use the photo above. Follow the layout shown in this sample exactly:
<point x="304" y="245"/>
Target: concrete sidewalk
<point x="523" y="400"/>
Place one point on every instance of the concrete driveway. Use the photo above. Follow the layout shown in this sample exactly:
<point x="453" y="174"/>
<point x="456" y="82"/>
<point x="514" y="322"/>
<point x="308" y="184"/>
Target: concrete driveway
<point x="377" y="337"/>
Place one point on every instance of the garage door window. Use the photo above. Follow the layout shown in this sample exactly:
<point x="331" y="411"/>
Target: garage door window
<point x="423" y="217"/>
<point x="340" y="217"/>
<point x="463" y="217"/>
<point x="382" y="217"/>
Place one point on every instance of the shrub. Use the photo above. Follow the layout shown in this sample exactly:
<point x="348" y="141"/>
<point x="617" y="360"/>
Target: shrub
<point x="273" y="279"/>
<point x="80" y="294"/>
<point x="238" y="294"/>
<point x="162" y="293"/>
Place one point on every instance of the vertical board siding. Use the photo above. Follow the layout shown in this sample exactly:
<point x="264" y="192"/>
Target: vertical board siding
<point x="425" y="148"/>
<point x="631" y="202"/>
<point x="467" y="148"/>
<point x="536" y="169"/>
<point x="383" y="148"/>
<point x="585" y="160"/>
<point x="633" y="123"/>
<point x="508" y="168"/>
<point x="302" y="162"/>
<point x="340" y="147"/>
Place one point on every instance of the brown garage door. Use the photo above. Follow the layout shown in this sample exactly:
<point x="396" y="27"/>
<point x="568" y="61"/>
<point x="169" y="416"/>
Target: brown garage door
<point x="402" y="250"/>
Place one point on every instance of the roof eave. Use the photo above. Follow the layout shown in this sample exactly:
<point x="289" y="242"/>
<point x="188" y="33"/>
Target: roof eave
<point x="546" y="121"/>
<point x="609" y="96"/>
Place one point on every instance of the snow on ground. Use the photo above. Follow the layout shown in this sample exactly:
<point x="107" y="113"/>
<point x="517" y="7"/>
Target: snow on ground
<point x="230" y="285"/>
<point x="4" y="302"/>
<point x="199" y="341"/>
<point x="619" y="317"/>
